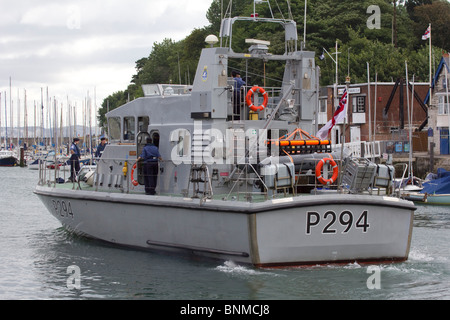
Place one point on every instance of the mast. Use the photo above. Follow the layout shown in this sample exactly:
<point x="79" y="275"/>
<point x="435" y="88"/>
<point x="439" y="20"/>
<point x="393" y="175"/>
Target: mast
<point x="75" y="133"/>
<point x="375" y="109"/>
<point x="11" y="110"/>
<point x="42" y="119"/>
<point x="6" y="125"/>
<point x="61" y="132"/>
<point x="34" y="135"/>
<point x="0" y="120"/>
<point x="84" y="123"/>
<point x="95" y="113"/>
<point x="431" y="76"/>
<point x="369" y="102"/>
<point x="90" y="123"/>
<point x="18" y="119"/>
<point x="69" y="135"/>
<point x="49" y="123"/>
<point x="410" y="172"/>
<point x="25" y="115"/>
<point x="55" y="125"/>
<point x="446" y="100"/>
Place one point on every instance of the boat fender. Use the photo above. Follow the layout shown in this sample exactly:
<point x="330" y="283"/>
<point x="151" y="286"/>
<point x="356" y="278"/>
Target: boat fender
<point x="249" y="102"/>
<point x="319" y="167"/>
<point x="134" y="182"/>
<point x="125" y="169"/>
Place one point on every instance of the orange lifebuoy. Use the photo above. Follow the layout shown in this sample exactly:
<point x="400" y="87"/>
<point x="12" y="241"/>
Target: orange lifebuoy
<point x="319" y="171"/>
<point x="248" y="99"/>
<point x="134" y="182"/>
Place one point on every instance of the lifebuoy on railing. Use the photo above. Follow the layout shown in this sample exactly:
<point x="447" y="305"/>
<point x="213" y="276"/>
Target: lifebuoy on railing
<point x="134" y="182"/>
<point x="248" y="99"/>
<point x="319" y="167"/>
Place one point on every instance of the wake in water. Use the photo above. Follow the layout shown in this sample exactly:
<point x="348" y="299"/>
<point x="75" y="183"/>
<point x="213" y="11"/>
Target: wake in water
<point x="235" y="269"/>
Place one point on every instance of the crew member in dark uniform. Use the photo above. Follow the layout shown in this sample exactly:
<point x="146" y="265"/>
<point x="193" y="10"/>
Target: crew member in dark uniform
<point x="150" y="156"/>
<point x="100" y="148"/>
<point x="74" y="160"/>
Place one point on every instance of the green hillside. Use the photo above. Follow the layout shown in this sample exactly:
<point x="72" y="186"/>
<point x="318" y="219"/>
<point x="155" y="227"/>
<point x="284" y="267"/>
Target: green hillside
<point x="385" y="41"/>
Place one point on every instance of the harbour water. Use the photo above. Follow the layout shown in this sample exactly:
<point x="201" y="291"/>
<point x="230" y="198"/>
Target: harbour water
<point x="41" y="261"/>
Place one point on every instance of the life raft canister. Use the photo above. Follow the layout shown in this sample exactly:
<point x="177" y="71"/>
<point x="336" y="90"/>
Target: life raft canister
<point x="249" y="102"/>
<point x="319" y="167"/>
<point x="134" y="182"/>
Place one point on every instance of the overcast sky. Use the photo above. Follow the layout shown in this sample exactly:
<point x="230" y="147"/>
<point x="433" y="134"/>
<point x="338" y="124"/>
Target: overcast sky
<point x="75" y="47"/>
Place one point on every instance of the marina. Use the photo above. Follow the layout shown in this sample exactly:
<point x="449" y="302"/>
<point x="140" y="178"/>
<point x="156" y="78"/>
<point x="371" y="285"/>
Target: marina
<point x="253" y="181"/>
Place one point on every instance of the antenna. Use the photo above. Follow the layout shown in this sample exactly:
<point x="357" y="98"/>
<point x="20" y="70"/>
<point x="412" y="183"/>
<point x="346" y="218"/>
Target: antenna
<point x="289" y="10"/>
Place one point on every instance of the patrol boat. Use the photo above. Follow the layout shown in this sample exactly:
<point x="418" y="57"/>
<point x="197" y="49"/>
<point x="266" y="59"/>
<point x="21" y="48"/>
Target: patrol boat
<point x="249" y="184"/>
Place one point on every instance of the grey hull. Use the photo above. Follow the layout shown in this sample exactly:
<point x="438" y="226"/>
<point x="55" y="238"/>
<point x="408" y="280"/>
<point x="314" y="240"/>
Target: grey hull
<point x="289" y="231"/>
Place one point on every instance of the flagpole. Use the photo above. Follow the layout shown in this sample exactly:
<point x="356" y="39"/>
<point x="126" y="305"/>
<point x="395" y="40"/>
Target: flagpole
<point x="446" y="100"/>
<point x="347" y="82"/>
<point x="337" y="82"/>
<point x="369" y="102"/>
<point x="431" y="76"/>
<point x="409" y="120"/>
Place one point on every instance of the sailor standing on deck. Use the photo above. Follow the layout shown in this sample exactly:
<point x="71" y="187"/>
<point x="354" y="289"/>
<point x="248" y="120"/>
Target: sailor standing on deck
<point x="150" y="156"/>
<point x="74" y="160"/>
<point x="100" y="148"/>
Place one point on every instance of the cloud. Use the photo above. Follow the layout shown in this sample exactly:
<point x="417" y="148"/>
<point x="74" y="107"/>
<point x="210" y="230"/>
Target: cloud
<point x="73" y="47"/>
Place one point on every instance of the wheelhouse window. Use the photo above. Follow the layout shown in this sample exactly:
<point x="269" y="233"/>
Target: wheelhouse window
<point x="143" y="123"/>
<point x="129" y="129"/>
<point x="114" y="129"/>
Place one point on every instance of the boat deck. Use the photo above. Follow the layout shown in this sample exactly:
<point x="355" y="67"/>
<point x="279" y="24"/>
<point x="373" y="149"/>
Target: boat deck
<point x="235" y="196"/>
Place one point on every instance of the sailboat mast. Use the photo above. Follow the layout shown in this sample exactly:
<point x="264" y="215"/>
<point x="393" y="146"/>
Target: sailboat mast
<point x="11" y="111"/>
<point x="18" y="119"/>
<point x="47" y="116"/>
<point x="89" y="110"/>
<point x="0" y="120"/>
<point x="61" y="125"/>
<point x="25" y="115"/>
<point x="34" y="133"/>
<point x="6" y="125"/>
<point x="75" y="133"/>
<point x="42" y="118"/>
<point x="409" y="120"/>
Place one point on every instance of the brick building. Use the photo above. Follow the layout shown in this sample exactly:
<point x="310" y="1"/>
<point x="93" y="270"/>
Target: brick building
<point x="378" y="114"/>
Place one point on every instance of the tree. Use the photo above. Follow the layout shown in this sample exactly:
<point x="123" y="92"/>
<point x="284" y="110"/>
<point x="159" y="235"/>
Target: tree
<point x="328" y="21"/>
<point x="110" y="103"/>
<point x="412" y="4"/>
<point x="438" y="14"/>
